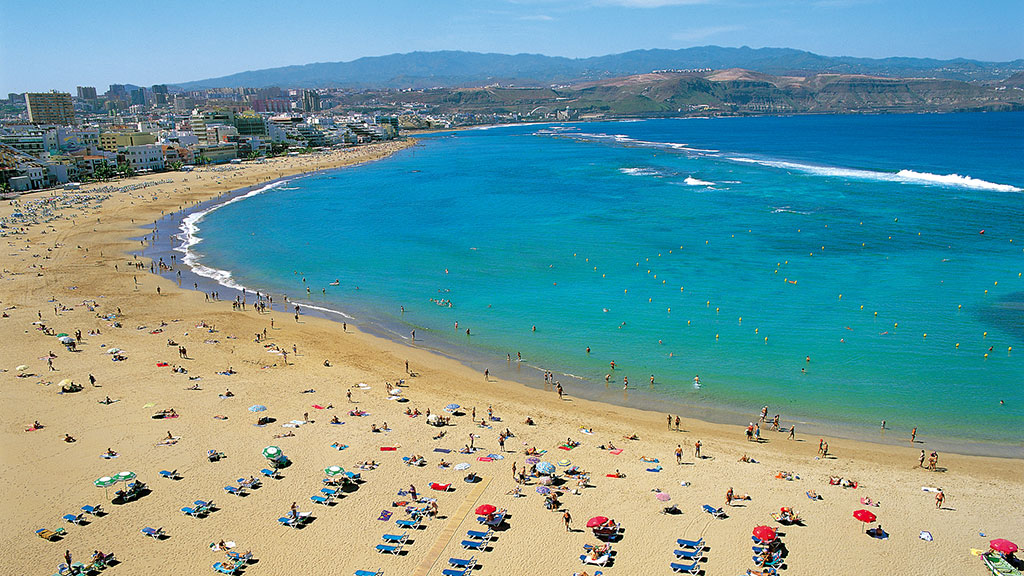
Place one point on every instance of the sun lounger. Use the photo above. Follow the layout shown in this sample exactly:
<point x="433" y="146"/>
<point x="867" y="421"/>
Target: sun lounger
<point x="269" y="473"/>
<point x="692" y="568"/>
<point x="353" y="476"/>
<point x="153" y="532"/>
<point x="51" y="535"/>
<point x="170" y="475"/>
<point x="288" y="521"/>
<point x="204" y="504"/>
<point x="94" y="510"/>
<point x="464" y="564"/>
<point x="368" y="573"/>
<point x="475" y="545"/>
<point x="716" y="512"/>
<point x="320" y="500"/>
<point x="389" y="549"/>
<point x="189" y="511"/>
<point x="454" y="572"/>
<point x="395" y="538"/>
<point x="478" y="535"/>
<point x="600" y="561"/>
<point x="237" y="491"/>
<point x="329" y="492"/>
<point x="410" y="524"/>
<point x="74" y="518"/>
<point x="689" y="554"/>
<point x="228" y="568"/>
<point x="696" y="544"/>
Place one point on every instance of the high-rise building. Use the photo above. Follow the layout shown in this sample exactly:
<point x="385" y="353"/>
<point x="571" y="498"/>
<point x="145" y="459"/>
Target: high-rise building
<point x="310" y="101"/>
<point x="139" y="97"/>
<point x="117" y="91"/>
<point x="87" y="92"/>
<point x="13" y="97"/>
<point x="159" y="88"/>
<point x="50" y="108"/>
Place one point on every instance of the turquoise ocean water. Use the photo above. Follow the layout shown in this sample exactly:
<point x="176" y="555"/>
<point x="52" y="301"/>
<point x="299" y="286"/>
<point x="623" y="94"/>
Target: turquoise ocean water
<point x="731" y="248"/>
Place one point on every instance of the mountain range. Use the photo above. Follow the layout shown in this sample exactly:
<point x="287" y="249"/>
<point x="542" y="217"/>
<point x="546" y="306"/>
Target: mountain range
<point x="447" y="69"/>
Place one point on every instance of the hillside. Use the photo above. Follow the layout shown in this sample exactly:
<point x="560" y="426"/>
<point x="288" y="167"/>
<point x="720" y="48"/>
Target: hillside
<point x="462" y="69"/>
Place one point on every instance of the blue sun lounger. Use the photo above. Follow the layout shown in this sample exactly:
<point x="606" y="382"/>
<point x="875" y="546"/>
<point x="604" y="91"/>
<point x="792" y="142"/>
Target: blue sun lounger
<point x="389" y="549"/>
<point x="225" y="568"/>
<point x="395" y="538"/>
<point x="269" y="473"/>
<point x="696" y="544"/>
<point x="288" y="521"/>
<point x="368" y="573"/>
<point x="94" y="510"/>
<point x="475" y="545"/>
<point x="692" y="568"/>
<point x="203" y="505"/>
<point x="153" y="532"/>
<point x="409" y="524"/>
<point x="329" y="492"/>
<point x="454" y="572"/>
<point x="169" y="474"/>
<point x="74" y="518"/>
<point x="320" y="500"/>
<point x="716" y="512"/>
<point x="478" y="535"/>
<point x="237" y="491"/>
<point x="464" y="564"/>
<point x="689" y="554"/>
<point x="189" y="511"/>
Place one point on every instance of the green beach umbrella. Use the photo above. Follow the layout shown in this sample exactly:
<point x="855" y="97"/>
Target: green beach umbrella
<point x="272" y="452"/>
<point x="62" y="334"/>
<point x="124" y="476"/>
<point x="334" y="470"/>
<point x="104" y="482"/>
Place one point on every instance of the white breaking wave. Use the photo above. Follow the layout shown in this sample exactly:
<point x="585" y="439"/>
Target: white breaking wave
<point x="903" y="176"/>
<point x="691" y="181"/>
<point x="639" y="171"/>
<point x="190" y="237"/>
<point x="320" y="308"/>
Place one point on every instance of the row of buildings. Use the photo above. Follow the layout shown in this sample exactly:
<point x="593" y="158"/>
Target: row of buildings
<point x="47" y="139"/>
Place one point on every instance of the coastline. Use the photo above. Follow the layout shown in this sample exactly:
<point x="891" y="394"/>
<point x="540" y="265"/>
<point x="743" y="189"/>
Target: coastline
<point x="61" y="474"/>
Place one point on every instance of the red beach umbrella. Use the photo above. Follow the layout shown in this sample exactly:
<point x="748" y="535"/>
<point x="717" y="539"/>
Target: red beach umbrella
<point x="485" y="509"/>
<point x="764" y="533"/>
<point x="864" y="516"/>
<point x="597" y="521"/>
<point x="1003" y="545"/>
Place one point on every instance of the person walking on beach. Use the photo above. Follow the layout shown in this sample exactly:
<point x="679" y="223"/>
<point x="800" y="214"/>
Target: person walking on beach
<point x="669" y="421"/>
<point x="487" y="374"/>
<point x="559" y="389"/>
<point x="677" y="423"/>
<point x="567" y="518"/>
<point x="696" y="449"/>
<point x="920" y="460"/>
<point x="792" y="432"/>
<point x="728" y="496"/>
<point x="939" y="499"/>
<point x="513" y="471"/>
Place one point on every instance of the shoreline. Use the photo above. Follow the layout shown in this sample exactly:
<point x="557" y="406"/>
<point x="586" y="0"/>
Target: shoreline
<point x="526" y="374"/>
<point x="75" y="262"/>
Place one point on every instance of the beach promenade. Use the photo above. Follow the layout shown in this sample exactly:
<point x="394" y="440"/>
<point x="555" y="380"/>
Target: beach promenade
<point x="68" y="268"/>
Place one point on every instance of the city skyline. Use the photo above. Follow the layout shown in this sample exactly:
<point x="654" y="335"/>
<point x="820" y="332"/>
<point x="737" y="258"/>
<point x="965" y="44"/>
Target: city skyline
<point x="120" y="45"/>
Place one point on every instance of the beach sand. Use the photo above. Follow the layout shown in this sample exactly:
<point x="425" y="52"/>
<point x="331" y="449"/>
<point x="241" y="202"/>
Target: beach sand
<point x="71" y="260"/>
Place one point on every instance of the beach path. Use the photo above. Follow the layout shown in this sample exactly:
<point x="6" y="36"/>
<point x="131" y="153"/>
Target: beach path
<point x="455" y="520"/>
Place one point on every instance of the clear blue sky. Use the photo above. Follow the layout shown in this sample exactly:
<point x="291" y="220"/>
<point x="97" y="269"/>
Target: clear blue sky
<point x="62" y="43"/>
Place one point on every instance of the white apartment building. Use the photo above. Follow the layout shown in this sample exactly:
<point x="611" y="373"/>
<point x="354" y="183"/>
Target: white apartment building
<point x="144" y="157"/>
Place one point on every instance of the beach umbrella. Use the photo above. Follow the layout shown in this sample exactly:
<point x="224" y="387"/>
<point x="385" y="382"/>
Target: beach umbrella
<point x="334" y="470"/>
<point x="104" y="482"/>
<point x="64" y="382"/>
<point x="545" y="480"/>
<point x="124" y="476"/>
<point x="532" y="460"/>
<point x="663" y="496"/>
<point x="62" y="334"/>
<point x="462" y="466"/>
<point x="272" y="452"/>
<point x="597" y="521"/>
<point x="485" y="509"/>
<point x="764" y="533"/>
<point x="257" y="408"/>
<point x="452" y="407"/>
<point x="864" y="516"/>
<point x="22" y="368"/>
<point x="433" y="418"/>
<point x="1002" y="545"/>
<point x="113" y="351"/>
<point x="546" y="468"/>
<point x="543" y="490"/>
<point x="66" y="340"/>
<point x="564" y="462"/>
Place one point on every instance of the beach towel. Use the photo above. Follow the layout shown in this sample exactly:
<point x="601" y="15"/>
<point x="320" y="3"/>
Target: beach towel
<point x="656" y="469"/>
<point x="485" y="459"/>
<point x="388" y="448"/>
<point x="162" y="364"/>
<point x="219" y="417"/>
<point x="926" y="535"/>
<point x="564" y="447"/>
<point x="495" y="456"/>
<point x="615" y="476"/>
<point x="442" y="450"/>
<point x="339" y="446"/>
<point x="385" y="515"/>
<point x="651" y="460"/>
<point x="440" y="487"/>
<point x="319" y="407"/>
<point x="108" y="456"/>
<point x="336" y="423"/>
<point x="586" y="431"/>
<point x="618" y="451"/>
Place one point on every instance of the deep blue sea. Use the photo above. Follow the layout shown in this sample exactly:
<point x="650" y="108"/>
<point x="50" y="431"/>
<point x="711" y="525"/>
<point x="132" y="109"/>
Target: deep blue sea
<point x="840" y="269"/>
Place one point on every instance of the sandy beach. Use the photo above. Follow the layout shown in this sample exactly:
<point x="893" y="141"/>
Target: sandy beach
<point x="72" y="270"/>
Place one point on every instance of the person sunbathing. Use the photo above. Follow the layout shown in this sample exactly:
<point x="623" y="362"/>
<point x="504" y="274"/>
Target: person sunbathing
<point x="334" y="419"/>
<point x="632" y="437"/>
<point x="69" y="439"/>
<point x="532" y="450"/>
<point x="443" y="464"/>
<point x="528" y="421"/>
<point x="110" y="452"/>
<point x="287" y="435"/>
<point x="228" y="393"/>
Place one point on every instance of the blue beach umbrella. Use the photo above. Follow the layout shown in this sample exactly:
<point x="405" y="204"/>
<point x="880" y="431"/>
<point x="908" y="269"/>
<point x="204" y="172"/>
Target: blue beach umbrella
<point x="546" y="468"/>
<point x="543" y="490"/>
<point x="452" y="407"/>
<point x="257" y="408"/>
